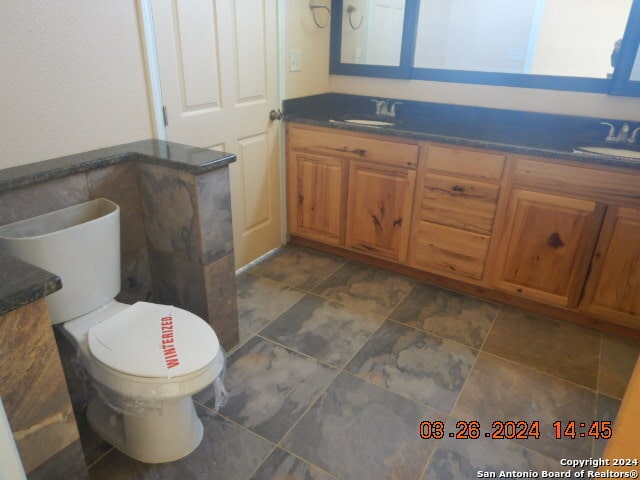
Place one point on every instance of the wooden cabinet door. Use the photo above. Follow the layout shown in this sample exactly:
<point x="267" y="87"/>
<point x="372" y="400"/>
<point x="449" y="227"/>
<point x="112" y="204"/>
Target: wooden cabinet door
<point x="613" y="288"/>
<point x="379" y="209"/>
<point x="547" y="246"/>
<point x="317" y="191"/>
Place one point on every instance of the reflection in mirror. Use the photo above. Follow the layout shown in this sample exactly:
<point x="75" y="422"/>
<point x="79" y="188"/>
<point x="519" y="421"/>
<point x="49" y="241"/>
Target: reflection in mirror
<point x="635" y="70"/>
<point x="573" y="38"/>
<point x="372" y="32"/>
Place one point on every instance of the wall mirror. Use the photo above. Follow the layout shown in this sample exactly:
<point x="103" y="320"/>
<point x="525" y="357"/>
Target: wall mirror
<point x="579" y="45"/>
<point x="373" y="37"/>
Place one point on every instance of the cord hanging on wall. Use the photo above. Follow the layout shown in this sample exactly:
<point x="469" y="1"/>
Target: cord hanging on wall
<point x="315" y="6"/>
<point x="351" y="10"/>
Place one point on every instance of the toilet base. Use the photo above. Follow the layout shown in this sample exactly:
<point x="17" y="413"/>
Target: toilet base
<point x="155" y="437"/>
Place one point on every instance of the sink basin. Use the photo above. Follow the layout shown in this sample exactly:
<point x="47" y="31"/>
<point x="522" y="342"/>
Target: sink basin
<point x="616" y="152"/>
<point x="368" y="120"/>
<point x="372" y="123"/>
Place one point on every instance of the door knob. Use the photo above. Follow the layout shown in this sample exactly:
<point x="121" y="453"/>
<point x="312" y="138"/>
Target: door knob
<point x="275" y="115"/>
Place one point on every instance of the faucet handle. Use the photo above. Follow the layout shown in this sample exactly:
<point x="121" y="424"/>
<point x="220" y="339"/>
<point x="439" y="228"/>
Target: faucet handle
<point x="381" y="106"/>
<point x="612" y="131"/>
<point x="623" y="133"/>
<point x="392" y="110"/>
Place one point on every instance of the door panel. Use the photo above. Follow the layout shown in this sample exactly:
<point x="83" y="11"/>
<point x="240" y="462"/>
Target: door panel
<point x="218" y="68"/>
<point x="317" y="196"/>
<point x="379" y="209"/>
<point x="255" y="183"/>
<point x="547" y="246"/>
<point x="613" y="289"/>
<point x="197" y="54"/>
<point x="249" y="42"/>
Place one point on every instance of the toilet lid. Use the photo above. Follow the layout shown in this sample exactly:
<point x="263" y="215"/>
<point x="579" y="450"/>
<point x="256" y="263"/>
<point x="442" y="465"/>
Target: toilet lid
<point x="150" y="340"/>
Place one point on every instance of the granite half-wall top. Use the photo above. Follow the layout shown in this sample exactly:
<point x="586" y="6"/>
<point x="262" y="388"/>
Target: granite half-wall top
<point x="22" y="283"/>
<point x="175" y="155"/>
<point x="524" y="133"/>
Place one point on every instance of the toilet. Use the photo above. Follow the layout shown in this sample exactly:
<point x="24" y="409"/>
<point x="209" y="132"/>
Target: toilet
<point x="145" y="360"/>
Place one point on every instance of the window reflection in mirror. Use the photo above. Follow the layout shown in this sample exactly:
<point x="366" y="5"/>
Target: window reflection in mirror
<point x="372" y="32"/>
<point x="635" y="70"/>
<point x="573" y="38"/>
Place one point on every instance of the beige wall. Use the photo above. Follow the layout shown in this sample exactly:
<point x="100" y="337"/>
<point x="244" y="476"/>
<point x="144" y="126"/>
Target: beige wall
<point x="527" y="99"/>
<point x="302" y="34"/>
<point x="72" y="78"/>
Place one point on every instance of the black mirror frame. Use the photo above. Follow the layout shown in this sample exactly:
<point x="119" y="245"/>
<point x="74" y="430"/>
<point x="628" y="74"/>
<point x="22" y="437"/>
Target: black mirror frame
<point x="619" y="84"/>
<point x="409" y="31"/>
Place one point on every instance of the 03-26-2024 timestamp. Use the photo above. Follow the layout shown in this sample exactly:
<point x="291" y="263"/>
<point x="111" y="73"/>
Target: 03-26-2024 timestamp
<point x="519" y="429"/>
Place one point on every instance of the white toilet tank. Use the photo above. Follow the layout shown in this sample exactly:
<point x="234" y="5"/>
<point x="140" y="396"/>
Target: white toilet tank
<point x="80" y="244"/>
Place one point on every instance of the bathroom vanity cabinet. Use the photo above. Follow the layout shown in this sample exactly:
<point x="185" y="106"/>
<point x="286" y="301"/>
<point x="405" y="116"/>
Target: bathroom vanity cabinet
<point x="354" y="191"/>
<point x="454" y="211"/>
<point x="572" y="238"/>
<point x="553" y="235"/>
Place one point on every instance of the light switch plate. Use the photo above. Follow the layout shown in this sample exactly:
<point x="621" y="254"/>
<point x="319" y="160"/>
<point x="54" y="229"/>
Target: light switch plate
<point x="295" y="60"/>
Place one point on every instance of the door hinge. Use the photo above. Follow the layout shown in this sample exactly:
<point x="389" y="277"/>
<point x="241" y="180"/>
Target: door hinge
<point x="164" y="116"/>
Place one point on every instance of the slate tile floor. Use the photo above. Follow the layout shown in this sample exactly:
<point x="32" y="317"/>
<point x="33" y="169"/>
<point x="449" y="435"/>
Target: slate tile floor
<point x="340" y="362"/>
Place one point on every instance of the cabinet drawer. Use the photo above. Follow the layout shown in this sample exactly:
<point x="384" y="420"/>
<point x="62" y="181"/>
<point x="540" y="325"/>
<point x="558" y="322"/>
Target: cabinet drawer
<point x="470" y="163"/>
<point x="449" y="250"/>
<point x="580" y="181"/>
<point x="354" y="147"/>
<point x="458" y="203"/>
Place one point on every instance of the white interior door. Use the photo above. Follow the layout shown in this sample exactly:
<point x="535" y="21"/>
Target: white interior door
<point x="386" y="20"/>
<point x="218" y="65"/>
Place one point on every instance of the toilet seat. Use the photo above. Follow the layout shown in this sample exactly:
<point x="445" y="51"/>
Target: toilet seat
<point x="154" y="341"/>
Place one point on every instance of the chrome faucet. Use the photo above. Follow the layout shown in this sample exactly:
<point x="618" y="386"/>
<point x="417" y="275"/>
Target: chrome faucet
<point x="385" y="108"/>
<point x="392" y="109"/>
<point x="623" y="133"/>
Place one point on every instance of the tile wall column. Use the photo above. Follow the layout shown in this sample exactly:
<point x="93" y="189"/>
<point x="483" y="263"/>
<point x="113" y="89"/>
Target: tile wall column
<point x="187" y="220"/>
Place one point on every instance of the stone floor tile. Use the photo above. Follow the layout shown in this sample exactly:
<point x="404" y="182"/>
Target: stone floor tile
<point x="298" y="267"/>
<point x="415" y="364"/>
<point x="449" y="314"/>
<point x="270" y="387"/>
<point x="325" y="330"/>
<point x="368" y="288"/>
<point x="357" y="431"/>
<point x="546" y="344"/>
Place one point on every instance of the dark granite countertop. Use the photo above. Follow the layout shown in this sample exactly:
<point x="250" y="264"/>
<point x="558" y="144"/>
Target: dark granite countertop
<point x="527" y="133"/>
<point x="175" y="155"/>
<point x="22" y="283"/>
